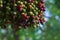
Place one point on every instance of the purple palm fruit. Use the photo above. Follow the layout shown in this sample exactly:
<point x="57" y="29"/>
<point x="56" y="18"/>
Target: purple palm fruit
<point x="32" y="1"/>
<point x="40" y="20"/>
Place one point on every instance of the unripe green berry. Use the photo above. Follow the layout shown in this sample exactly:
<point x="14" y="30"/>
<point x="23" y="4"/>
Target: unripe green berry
<point x="25" y="2"/>
<point x="8" y="8"/>
<point x="1" y="5"/>
<point x="36" y="13"/>
<point x="22" y="13"/>
<point x="33" y="8"/>
<point x="36" y="2"/>
<point x="18" y="2"/>
<point x="21" y="2"/>
<point x="36" y="8"/>
<point x="31" y="13"/>
<point x="15" y="4"/>
<point x="32" y="4"/>
<point x="1" y="2"/>
<point x="24" y="10"/>
<point x="34" y="25"/>
<point x="15" y="13"/>
<point x="25" y="7"/>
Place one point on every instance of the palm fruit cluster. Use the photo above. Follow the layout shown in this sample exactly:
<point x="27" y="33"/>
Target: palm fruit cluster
<point x="21" y="13"/>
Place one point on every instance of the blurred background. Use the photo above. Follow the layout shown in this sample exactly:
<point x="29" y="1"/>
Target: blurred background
<point x="49" y="31"/>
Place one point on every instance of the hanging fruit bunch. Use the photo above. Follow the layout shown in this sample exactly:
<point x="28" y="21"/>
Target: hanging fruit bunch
<point x="22" y="13"/>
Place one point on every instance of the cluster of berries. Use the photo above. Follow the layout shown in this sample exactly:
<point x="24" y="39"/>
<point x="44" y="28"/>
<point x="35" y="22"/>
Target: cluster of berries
<point x="22" y="13"/>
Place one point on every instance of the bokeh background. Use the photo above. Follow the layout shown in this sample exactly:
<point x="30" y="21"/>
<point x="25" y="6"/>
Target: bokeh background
<point x="49" y="31"/>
